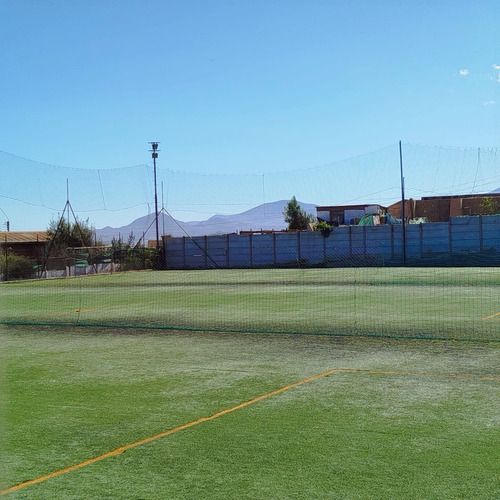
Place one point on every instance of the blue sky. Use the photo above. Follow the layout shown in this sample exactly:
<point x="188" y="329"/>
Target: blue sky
<point x="239" y="87"/>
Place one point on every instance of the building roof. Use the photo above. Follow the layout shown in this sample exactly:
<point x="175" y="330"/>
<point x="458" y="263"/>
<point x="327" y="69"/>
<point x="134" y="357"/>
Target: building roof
<point x="464" y="196"/>
<point x="348" y="207"/>
<point x="23" y="236"/>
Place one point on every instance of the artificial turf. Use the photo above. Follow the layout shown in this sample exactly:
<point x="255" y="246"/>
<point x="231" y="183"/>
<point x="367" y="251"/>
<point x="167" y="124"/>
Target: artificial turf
<point x="405" y="419"/>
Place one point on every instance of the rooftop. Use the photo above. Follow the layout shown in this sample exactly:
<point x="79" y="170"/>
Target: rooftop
<point x="23" y="236"/>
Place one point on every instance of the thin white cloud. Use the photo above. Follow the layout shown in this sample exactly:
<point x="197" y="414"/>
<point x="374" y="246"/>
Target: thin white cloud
<point x="496" y="67"/>
<point x="489" y="103"/>
<point x="464" y="72"/>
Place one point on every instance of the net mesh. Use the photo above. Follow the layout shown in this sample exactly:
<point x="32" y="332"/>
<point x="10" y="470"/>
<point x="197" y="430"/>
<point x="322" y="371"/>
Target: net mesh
<point x="31" y="193"/>
<point x="349" y="282"/>
<point x="457" y="303"/>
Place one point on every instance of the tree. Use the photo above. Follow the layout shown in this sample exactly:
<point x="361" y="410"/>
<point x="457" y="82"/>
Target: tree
<point x="119" y="244"/>
<point x="64" y="234"/>
<point x="132" y="256"/>
<point x="489" y="206"/>
<point x="296" y="218"/>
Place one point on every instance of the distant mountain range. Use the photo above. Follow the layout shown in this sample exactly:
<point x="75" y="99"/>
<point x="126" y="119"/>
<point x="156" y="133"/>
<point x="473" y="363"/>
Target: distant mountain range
<point x="267" y="216"/>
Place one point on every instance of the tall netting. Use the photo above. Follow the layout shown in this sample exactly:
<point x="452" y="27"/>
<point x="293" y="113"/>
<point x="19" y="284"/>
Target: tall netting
<point x="357" y="277"/>
<point x="31" y="193"/>
<point x="444" y="303"/>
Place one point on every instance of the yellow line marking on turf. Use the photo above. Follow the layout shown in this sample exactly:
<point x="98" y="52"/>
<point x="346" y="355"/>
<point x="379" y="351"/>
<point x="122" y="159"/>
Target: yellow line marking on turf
<point x="492" y="316"/>
<point x="121" y="449"/>
<point x="126" y="447"/>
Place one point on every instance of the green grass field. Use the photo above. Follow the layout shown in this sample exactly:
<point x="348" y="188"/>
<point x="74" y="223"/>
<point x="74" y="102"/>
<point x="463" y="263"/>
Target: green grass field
<point x="201" y="397"/>
<point x="442" y="303"/>
<point x="401" y="419"/>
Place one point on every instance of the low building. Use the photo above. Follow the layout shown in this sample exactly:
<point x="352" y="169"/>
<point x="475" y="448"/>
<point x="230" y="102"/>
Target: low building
<point x="26" y="243"/>
<point x="441" y="208"/>
<point x="348" y="215"/>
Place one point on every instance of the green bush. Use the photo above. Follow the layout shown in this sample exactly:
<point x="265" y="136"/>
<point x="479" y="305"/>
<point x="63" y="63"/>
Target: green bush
<point x="323" y="226"/>
<point x="17" y="267"/>
<point x="131" y="259"/>
<point x="490" y="206"/>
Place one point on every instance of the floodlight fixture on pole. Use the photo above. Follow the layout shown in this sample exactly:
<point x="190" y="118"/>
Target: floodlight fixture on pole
<point x="154" y="155"/>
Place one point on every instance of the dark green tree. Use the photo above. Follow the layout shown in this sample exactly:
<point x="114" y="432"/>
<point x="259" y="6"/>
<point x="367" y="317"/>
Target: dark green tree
<point x="296" y="218"/>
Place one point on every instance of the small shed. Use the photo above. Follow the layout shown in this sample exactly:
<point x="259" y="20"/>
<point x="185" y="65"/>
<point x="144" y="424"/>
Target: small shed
<point x="27" y="243"/>
<point x="347" y="214"/>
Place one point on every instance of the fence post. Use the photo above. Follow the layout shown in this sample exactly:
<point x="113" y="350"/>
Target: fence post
<point x="480" y="234"/>
<point x="184" y="252"/>
<point x="350" y="242"/>
<point x="274" y="250"/>
<point x="450" y="237"/>
<point x="298" y="247"/>
<point x="364" y="243"/>
<point x="205" y="253"/>
<point x="392" y="241"/>
<point x="324" y="251"/>
<point x="250" y="243"/>
<point x="421" y="243"/>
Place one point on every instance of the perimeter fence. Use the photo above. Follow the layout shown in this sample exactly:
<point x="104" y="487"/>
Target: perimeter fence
<point x="462" y="241"/>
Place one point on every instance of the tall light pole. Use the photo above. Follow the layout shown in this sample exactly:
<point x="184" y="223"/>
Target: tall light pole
<point x="154" y="155"/>
<point x="402" y="202"/>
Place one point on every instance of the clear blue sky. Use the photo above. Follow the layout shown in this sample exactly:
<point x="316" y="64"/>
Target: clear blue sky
<point x="241" y="86"/>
